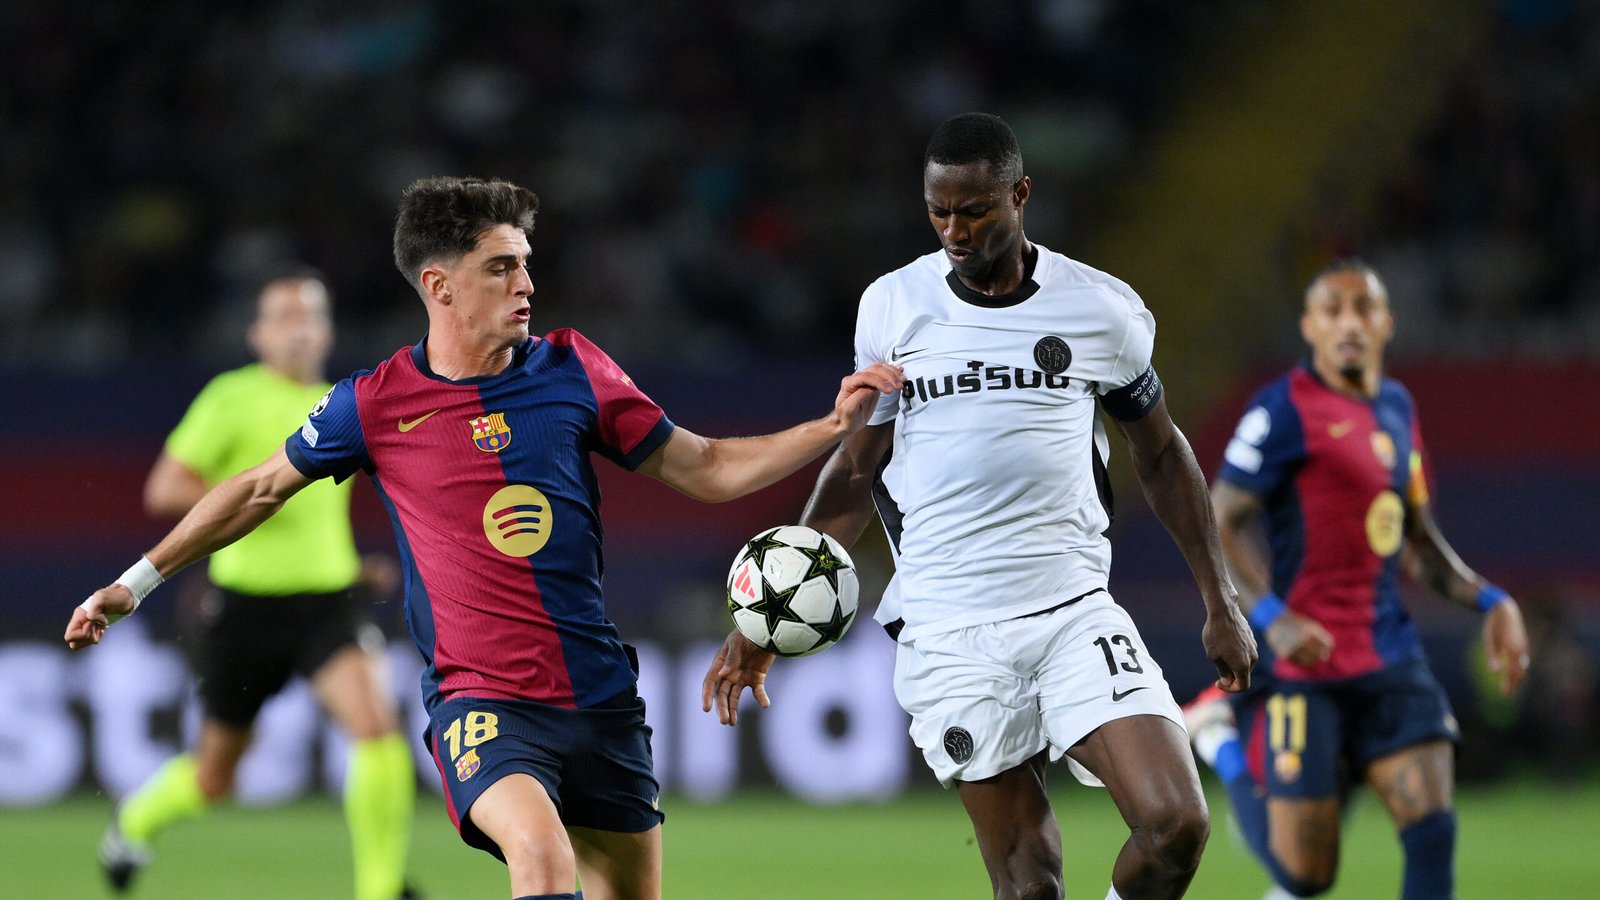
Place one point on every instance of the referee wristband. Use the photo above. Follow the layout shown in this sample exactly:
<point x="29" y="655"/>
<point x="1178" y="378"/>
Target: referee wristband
<point x="140" y="579"/>
<point x="1490" y="596"/>
<point x="1266" y="611"/>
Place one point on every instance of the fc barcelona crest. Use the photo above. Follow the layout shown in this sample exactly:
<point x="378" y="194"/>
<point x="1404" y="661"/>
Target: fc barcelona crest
<point x="491" y="433"/>
<point x="467" y="765"/>
<point x="1383" y="449"/>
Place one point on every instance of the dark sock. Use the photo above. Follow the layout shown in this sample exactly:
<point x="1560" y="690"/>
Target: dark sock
<point x="1430" y="850"/>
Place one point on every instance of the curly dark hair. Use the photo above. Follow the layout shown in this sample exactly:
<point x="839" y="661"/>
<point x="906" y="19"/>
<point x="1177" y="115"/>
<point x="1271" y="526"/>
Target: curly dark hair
<point x="977" y="137"/>
<point x="440" y="219"/>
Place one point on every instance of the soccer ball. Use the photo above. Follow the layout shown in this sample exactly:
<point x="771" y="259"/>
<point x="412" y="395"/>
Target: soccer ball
<point x="792" y="590"/>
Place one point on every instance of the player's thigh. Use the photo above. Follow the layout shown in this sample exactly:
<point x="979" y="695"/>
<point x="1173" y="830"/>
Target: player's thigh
<point x="1303" y="835"/>
<point x="616" y="865"/>
<point x="517" y="814"/>
<point x="1092" y="669"/>
<point x="1416" y="782"/>
<point x="349" y="687"/>
<point x="1402" y="735"/>
<point x="1013" y="822"/>
<point x="1146" y="765"/>
<point x="1303" y="728"/>
<point x="972" y="715"/>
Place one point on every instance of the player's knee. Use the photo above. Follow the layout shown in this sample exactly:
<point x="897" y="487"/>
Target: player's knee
<point x="1048" y="888"/>
<point x="216" y="782"/>
<point x="548" y="854"/>
<point x="1308" y="883"/>
<point x="1178" y="837"/>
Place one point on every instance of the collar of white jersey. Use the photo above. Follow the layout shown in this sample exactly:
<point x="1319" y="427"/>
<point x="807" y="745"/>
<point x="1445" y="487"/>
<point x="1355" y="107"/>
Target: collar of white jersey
<point x="1027" y="289"/>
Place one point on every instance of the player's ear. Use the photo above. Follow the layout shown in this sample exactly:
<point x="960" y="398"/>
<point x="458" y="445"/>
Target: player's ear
<point x="1021" y="190"/>
<point x="435" y="284"/>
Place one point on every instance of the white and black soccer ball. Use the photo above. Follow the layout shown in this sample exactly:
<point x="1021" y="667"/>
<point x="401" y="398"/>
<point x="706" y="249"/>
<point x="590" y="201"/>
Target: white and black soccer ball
<point x="792" y="590"/>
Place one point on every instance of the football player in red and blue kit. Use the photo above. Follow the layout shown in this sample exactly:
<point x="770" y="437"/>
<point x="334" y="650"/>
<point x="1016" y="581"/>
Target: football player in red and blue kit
<point x="1329" y="458"/>
<point x="479" y="440"/>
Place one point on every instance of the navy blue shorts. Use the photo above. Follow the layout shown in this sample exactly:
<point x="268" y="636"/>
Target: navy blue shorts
<point x="595" y="763"/>
<point x="1315" y="736"/>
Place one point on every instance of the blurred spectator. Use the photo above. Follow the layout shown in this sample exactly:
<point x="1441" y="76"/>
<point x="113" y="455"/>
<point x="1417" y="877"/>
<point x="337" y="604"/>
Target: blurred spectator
<point x="720" y="170"/>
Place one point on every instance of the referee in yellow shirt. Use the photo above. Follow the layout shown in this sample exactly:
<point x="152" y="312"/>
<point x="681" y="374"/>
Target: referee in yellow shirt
<point x="280" y="605"/>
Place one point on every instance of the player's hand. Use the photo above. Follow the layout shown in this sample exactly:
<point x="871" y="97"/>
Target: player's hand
<point x="1506" y="641"/>
<point x="858" y="393"/>
<point x="91" y="619"/>
<point x="1299" y="639"/>
<point x="1231" y="647"/>
<point x="739" y="664"/>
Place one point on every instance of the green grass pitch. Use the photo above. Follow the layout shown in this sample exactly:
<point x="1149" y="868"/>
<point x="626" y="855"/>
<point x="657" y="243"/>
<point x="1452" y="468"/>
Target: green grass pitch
<point x="1526" y="839"/>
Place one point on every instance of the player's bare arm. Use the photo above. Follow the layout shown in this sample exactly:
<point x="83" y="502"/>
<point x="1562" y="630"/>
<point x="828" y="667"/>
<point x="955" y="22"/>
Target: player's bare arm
<point x="1292" y="636"/>
<point x="226" y="513"/>
<point x="840" y="506"/>
<point x="1176" y="491"/>
<point x="717" y="470"/>
<point x="172" y="488"/>
<point x="1430" y="559"/>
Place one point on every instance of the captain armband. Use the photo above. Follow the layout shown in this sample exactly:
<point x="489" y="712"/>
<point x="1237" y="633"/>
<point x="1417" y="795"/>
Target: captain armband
<point x="1134" y="400"/>
<point x="1490" y="596"/>
<point x="140" y="579"/>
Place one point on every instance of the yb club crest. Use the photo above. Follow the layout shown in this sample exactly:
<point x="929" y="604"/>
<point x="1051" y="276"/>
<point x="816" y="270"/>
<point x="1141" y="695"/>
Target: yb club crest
<point x="490" y="432"/>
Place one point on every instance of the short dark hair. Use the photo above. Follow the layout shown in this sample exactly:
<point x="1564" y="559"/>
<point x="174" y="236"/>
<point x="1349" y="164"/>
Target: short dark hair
<point x="977" y="137"/>
<point x="441" y="219"/>
<point x="1343" y="264"/>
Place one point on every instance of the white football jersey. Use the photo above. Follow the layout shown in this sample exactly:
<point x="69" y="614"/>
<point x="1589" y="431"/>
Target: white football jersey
<point x="995" y="496"/>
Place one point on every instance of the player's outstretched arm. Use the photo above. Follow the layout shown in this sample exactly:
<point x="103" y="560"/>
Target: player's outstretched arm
<point x="840" y="506"/>
<point x="1176" y="491"/>
<point x="1291" y="635"/>
<point x="226" y="513"/>
<point x="1430" y="559"/>
<point x="717" y="470"/>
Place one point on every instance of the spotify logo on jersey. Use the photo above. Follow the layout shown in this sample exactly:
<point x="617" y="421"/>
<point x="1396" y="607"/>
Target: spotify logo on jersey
<point x="1386" y="521"/>
<point x="516" y="520"/>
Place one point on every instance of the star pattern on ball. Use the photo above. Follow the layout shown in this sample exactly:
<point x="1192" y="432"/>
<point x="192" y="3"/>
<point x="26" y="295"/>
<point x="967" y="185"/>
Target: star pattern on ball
<point x="834" y="629"/>
<point x="760" y="544"/>
<point x="775" y="605"/>
<point x="824" y="563"/>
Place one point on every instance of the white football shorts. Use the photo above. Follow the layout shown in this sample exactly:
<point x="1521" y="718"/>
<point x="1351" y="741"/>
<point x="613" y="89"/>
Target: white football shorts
<point x="987" y="698"/>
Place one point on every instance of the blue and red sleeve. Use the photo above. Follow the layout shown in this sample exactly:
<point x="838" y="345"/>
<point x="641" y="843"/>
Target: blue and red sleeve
<point x="630" y="425"/>
<point x="330" y="443"/>
<point x="1267" y="445"/>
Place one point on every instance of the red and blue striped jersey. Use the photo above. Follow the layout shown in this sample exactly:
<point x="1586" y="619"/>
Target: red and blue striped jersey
<point x="1337" y="476"/>
<point x="496" y="509"/>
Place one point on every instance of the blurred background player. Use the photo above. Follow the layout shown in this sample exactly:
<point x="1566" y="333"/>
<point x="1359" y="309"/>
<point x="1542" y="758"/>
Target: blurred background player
<point x="281" y="604"/>
<point x="480" y="439"/>
<point x="1329" y="459"/>
<point x="1011" y="652"/>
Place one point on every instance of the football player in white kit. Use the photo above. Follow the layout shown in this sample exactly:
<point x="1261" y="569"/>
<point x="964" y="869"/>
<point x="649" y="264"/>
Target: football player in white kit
<point x="988" y="473"/>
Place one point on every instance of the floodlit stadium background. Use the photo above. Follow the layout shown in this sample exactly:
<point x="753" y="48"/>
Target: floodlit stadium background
<point x="720" y="180"/>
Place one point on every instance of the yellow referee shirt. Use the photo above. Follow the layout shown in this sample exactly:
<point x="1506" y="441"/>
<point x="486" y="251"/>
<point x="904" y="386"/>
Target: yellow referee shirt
<point x="237" y="421"/>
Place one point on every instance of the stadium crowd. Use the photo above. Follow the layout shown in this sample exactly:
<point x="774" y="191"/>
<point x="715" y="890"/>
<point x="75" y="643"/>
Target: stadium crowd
<point x="713" y="168"/>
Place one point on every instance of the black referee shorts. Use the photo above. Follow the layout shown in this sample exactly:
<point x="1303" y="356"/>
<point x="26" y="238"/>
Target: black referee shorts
<point x="247" y="647"/>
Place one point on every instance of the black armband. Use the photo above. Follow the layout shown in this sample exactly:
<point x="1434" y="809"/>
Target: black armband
<point x="1133" y="401"/>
